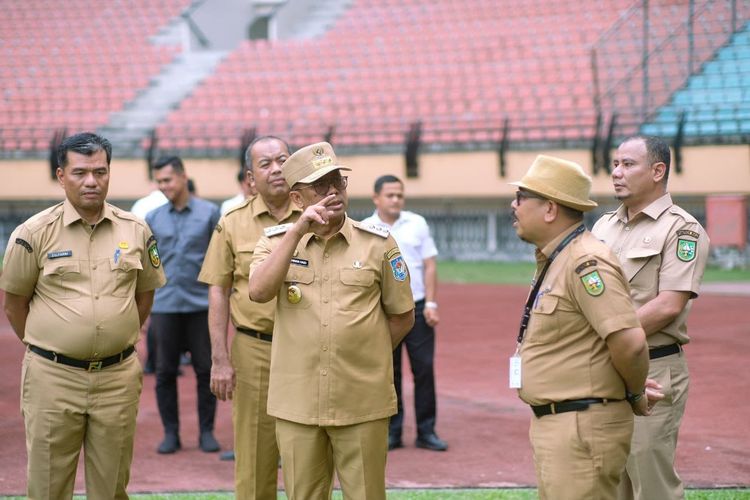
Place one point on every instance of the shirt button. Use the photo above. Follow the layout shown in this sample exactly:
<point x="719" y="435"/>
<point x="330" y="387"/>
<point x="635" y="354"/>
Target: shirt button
<point x="627" y="228"/>
<point x="325" y="301"/>
<point x="325" y="323"/>
<point x="325" y="278"/>
<point x="324" y="372"/>
<point x="325" y="255"/>
<point x="96" y="297"/>
<point x="93" y="267"/>
<point x="325" y="347"/>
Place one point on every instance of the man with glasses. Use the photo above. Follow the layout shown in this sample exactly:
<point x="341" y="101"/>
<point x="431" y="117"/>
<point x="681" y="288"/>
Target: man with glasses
<point x="343" y="303"/>
<point x="581" y="357"/>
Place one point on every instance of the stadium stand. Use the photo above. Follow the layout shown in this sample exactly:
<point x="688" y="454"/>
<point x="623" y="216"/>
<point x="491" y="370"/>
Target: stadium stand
<point x="70" y="64"/>
<point x="717" y="100"/>
<point x="459" y="67"/>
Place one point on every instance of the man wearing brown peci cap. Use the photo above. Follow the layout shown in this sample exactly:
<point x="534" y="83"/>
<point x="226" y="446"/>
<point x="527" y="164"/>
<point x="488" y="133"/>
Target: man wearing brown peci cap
<point x="243" y="376"/>
<point x="581" y="359"/>
<point x="343" y="303"/>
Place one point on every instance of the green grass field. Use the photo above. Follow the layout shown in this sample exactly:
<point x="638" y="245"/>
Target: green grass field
<point x="520" y="273"/>
<point x="453" y="494"/>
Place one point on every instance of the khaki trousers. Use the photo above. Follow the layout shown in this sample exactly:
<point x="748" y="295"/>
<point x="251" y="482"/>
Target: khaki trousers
<point x="309" y="455"/>
<point x="581" y="454"/>
<point x="65" y="408"/>
<point x="256" y="454"/>
<point x="650" y="471"/>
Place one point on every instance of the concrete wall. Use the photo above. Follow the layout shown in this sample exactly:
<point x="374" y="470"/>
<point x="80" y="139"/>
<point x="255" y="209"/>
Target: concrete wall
<point x="461" y="178"/>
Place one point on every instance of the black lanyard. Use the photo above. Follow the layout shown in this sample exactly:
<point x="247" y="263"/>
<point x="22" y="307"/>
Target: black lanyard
<point x="538" y="284"/>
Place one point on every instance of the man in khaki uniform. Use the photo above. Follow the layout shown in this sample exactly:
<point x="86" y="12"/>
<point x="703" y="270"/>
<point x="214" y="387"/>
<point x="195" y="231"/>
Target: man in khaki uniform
<point x="663" y="251"/>
<point x="79" y="280"/>
<point x="583" y="357"/>
<point x="244" y="380"/>
<point x="344" y="302"/>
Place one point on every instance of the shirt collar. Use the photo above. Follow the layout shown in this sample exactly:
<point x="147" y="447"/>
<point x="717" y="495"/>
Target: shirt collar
<point x="190" y="205"/>
<point x="378" y="220"/>
<point x="71" y="215"/>
<point x="653" y="210"/>
<point x="260" y="207"/>
<point x="345" y="232"/>
<point x="544" y="253"/>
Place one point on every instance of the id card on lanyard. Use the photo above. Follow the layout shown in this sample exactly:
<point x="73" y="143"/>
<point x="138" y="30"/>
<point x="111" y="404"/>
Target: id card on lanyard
<point x="515" y="371"/>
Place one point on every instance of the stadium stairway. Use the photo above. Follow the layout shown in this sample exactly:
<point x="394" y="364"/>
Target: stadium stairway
<point x="128" y="128"/>
<point x="313" y="18"/>
<point x="716" y="100"/>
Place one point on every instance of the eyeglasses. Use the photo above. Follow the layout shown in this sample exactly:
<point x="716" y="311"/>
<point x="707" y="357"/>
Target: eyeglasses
<point x="523" y="195"/>
<point x="321" y="187"/>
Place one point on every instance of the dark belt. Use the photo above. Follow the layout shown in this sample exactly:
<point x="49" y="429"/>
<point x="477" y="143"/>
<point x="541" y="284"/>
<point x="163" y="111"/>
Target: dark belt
<point x="258" y="335"/>
<point x="566" y="406"/>
<point x="90" y="364"/>
<point x="667" y="350"/>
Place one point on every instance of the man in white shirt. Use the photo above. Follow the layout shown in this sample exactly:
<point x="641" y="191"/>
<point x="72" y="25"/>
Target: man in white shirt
<point x="412" y="234"/>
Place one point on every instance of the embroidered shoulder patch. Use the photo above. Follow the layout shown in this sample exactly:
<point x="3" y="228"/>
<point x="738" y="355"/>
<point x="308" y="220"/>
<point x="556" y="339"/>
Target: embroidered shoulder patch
<point x="593" y="283"/>
<point x="686" y="249"/>
<point x="274" y="230"/>
<point x="398" y="266"/>
<point x="392" y="253"/>
<point x="586" y="264"/>
<point x="153" y="252"/>
<point x="25" y="244"/>
<point x="687" y="232"/>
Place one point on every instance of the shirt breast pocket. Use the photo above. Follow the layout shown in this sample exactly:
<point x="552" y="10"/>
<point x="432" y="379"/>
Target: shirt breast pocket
<point x="356" y="289"/>
<point x="643" y="261"/>
<point x="63" y="279"/>
<point x="298" y="288"/>
<point x="125" y="273"/>
<point x="244" y="258"/>
<point x="544" y="320"/>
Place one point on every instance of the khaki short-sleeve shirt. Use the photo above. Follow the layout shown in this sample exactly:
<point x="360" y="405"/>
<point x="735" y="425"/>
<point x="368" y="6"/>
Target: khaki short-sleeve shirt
<point x="331" y="359"/>
<point x="662" y="248"/>
<point x="583" y="299"/>
<point x="227" y="261"/>
<point x="81" y="280"/>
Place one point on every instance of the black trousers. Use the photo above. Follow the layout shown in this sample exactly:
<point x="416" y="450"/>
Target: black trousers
<point x="176" y="332"/>
<point x="420" y="346"/>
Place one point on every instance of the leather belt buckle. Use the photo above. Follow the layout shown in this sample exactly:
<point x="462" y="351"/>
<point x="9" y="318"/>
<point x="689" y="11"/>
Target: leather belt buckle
<point x="95" y="366"/>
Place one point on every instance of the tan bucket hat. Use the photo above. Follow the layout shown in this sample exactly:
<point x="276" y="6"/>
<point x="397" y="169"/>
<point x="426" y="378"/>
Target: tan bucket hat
<point x="310" y="163"/>
<point x="558" y="180"/>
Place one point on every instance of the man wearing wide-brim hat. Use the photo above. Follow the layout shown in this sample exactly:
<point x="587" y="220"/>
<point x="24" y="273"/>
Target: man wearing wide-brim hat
<point x="343" y="303"/>
<point x="581" y="359"/>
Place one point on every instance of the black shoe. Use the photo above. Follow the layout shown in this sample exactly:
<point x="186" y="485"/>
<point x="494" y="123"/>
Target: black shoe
<point x="170" y="444"/>
<point x="227" y="456"/>
<point x="208" y="442"/>
<point x="431" y="442"/>
<point x="394" y="442"/>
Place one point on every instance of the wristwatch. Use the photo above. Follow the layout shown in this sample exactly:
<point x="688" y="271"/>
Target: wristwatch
<point x="430" y="305"/>
<point x="633" y="398"/>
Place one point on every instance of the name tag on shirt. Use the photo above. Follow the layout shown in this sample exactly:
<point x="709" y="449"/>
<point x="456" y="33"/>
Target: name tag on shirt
<point x="59" y="254"/>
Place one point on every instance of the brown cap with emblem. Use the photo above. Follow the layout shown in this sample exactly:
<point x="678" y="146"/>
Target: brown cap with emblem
<point x="310" y="163"/>
<point x="559" y="180"/>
